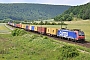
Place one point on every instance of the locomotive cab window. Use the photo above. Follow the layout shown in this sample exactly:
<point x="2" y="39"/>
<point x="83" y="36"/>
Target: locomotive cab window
<point x="81" y="33"/>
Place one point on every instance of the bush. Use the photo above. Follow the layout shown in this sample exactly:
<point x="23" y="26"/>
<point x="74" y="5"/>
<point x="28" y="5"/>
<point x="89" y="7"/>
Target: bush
<point x="69" y="52"/>
<point x="34" y="36"/>
<point x="18" y="32"/>
<point x="45" y="37"/>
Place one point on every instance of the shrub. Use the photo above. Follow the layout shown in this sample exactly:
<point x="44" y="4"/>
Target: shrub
<point x="69" y="52"/>
<point x="45" y="37"/>
<point x="18" y="32"/>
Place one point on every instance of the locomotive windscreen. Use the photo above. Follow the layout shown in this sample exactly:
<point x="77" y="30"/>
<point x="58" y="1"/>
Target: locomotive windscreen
<point x="81" y="33"/>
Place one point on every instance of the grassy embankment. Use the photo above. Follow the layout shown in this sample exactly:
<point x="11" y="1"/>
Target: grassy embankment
<point x="36" y="47"/>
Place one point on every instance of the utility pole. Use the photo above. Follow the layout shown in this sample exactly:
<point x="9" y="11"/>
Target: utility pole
<point x="41" y="25"/>
<point x="61" y="24"/>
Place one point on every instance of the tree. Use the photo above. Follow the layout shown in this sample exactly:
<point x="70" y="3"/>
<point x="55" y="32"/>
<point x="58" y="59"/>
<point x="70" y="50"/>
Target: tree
<point x="69" y="18"/>
<point x="41" y="23"/>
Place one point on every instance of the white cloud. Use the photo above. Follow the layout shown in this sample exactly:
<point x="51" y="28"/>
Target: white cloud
<point x="68" y="2"/>
<point x="64" y="2"/>
<point x="57" y="2"/>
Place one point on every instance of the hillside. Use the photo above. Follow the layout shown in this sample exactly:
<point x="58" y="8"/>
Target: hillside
<point x="28" y="11"/>
<point x="82" y="11"/>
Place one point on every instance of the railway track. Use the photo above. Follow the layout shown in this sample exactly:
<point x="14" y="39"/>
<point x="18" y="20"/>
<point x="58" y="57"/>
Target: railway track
<point x="85" y="44"/>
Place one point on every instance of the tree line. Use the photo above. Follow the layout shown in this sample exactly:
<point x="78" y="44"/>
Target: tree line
<point x="44" y="23"/>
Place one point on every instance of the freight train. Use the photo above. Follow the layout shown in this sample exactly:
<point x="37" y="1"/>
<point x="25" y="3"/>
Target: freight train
<point x="74" y="35"/>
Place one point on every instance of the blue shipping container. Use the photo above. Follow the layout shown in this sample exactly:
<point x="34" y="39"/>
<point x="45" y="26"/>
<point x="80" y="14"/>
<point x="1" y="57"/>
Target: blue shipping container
<point x="66" y="34"/>
<point x="27" y="27"/>
<point x="32" y="28"/>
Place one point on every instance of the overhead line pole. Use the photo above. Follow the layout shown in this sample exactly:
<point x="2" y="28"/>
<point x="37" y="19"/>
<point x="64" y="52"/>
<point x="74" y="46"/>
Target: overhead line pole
<point x="61" y="24"/>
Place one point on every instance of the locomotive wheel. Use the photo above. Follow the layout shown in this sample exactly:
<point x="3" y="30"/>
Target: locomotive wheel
<point x="78" y="41"/>
<point x="82" y="41"/>
<point x="73" y="40"/>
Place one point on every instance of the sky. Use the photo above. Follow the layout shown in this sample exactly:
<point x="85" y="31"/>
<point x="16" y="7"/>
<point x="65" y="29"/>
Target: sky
<point x="53" y="2"/>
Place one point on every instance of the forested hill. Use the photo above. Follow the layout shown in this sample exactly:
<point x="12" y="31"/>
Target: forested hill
<point x="82" y="11"/>
<point x="29" y="11"/>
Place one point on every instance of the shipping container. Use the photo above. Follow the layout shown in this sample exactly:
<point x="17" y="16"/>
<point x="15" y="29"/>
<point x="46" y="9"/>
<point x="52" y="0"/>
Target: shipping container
<point x="32" y="28"/>
<point x="35" y="28"/>
<point x="8" y="23"/>
<point x="23" y="26"/>
<point x="48" y="30"/>
<point x="19" y="25"/>
<point x="41" y="30"/>
<point x="11" y="24"/>
<point x="53" y="31"/>
<point x="14" y="25"/>
<point x="27" y="27"/>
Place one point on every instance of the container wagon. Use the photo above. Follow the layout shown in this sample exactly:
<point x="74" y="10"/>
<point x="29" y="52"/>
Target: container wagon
<point x="35" y="28"/>
<point x="48" y="31"/>
<point x="18" y="25"/>
<point x="23" y="26"/>
<point x="41" y="30"/>
<point x="32" y="28"/>
<point x="27" y="27"/>
<point x="53" y="31"/>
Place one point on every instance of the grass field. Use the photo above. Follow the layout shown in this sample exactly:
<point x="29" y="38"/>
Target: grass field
<point x="35" y="47"/>
<point x="3" y="29"/>
<point x="84" y="25"/>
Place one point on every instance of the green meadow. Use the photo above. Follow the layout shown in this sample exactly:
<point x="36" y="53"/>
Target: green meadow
<point x="37" y="47"/>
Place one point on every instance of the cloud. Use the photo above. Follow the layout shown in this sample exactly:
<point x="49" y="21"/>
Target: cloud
<point x="11" y="1"/>
<point x="67" y="2"/>
<point x="76" y="2"/>
<point x="64" y="2"/>
<point x="56" y="2"/>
